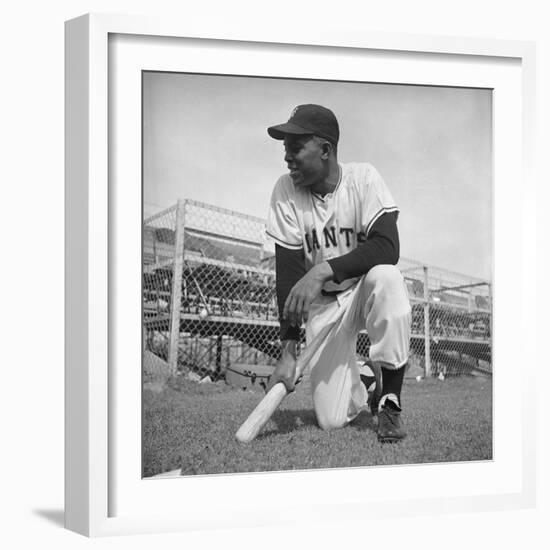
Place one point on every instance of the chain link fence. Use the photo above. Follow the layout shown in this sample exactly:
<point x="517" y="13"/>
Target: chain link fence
<point x="451" y="321"/>
<point x="209" y="301"/>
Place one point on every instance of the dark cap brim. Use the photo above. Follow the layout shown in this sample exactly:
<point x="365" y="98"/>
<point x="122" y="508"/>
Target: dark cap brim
<point x="282" y="130"/>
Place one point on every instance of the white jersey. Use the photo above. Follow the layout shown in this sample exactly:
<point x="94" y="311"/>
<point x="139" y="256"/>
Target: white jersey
<point x="333" y="225"/>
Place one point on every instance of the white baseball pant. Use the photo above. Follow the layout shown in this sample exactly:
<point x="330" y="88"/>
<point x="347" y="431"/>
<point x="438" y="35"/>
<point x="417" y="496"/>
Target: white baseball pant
<point x="378" y="302"/>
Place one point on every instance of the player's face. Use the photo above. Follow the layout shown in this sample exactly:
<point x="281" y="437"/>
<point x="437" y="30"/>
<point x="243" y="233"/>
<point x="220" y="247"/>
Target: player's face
<point x="304" y="157"/>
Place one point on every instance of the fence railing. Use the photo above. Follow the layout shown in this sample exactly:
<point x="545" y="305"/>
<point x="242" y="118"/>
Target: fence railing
<point x="209" y="300"/>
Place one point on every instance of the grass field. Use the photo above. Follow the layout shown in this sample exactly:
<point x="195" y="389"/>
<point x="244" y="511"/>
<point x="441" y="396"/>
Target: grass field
<point x="192" y="427"/>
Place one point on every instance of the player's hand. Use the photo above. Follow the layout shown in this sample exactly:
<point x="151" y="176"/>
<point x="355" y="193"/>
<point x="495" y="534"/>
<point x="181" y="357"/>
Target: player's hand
<point x="285" y="370"/>
<point x="304" y="292"/>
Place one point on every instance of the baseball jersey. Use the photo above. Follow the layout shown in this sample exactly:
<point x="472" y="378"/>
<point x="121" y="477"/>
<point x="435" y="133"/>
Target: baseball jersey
<point x="332" y="225"/>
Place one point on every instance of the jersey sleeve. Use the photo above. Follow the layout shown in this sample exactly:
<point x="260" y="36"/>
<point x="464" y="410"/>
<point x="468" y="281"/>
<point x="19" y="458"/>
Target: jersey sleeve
<point x="282" y="224"/>
<point x="377" y="199"/>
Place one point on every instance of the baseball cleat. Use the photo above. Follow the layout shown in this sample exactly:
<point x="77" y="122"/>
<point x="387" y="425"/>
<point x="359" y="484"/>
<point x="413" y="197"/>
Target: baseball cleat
<point x="390" y="425"/>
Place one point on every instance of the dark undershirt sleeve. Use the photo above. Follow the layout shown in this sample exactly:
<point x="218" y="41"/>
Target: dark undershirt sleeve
<point x="381" y="247"/>
<point x="289" y="269"/>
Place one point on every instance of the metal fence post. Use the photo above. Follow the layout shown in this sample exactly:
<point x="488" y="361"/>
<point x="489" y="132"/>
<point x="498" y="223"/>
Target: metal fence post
<point x="175" y="306"/>
<point x="427" y="359"/>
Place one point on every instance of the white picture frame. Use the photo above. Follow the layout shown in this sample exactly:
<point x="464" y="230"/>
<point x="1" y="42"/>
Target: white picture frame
<point x="103" y="497"/>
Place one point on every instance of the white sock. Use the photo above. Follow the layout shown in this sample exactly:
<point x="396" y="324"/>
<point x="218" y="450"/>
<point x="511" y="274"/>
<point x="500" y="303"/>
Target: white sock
<point x="392" y="397"/>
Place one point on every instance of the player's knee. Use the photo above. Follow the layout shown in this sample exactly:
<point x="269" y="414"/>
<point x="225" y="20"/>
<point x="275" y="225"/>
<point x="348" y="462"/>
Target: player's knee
<point x="329" y="423"/>
<point x="389" y="299"/>
<point x="385" y="276"/>
<point x="386" y="281"/>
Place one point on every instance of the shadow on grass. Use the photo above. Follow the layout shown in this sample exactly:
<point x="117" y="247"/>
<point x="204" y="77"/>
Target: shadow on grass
<point x="364" y="422"/>
<point x="290" y="420"/>
<point x="287" y="421"/>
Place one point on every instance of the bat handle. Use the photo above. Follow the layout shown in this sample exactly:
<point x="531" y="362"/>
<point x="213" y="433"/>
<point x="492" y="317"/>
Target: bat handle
<point x="262" y="413"/>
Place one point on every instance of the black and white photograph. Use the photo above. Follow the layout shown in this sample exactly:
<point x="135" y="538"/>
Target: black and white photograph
<point x="317" y="273"/>
<point x="175" y="172"/>
<point x="292" y="275"/>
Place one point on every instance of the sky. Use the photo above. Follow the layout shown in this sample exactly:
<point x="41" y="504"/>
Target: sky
<point x="205" y="138"/>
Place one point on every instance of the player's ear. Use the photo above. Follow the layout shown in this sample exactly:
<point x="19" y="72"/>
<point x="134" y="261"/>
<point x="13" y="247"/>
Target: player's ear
<point x="326" y="148"/>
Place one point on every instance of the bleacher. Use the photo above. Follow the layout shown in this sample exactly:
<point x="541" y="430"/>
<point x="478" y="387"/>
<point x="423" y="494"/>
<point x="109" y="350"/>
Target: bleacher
<point x="230" y="274"/>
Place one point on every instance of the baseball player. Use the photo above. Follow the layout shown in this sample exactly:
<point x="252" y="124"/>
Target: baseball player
<point x="336" y="246"/>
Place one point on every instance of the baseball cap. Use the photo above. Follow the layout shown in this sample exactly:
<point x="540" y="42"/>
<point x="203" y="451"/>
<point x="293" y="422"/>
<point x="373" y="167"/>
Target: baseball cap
<point x="308" y="119"/>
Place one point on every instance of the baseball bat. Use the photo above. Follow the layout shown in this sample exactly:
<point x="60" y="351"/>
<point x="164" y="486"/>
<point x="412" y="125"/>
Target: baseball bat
<point x="261" y="414"/>
<point x="268" y="405"/>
